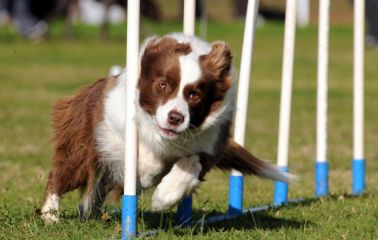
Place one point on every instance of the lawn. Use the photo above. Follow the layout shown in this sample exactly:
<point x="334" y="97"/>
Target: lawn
<point x="34" y="75"/>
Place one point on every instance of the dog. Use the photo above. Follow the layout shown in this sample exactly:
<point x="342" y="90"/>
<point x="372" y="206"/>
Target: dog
<point x="185" y="101"/>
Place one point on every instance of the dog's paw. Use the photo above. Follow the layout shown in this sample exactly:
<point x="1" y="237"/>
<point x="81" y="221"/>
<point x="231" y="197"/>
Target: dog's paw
<point x="50" y="209"/>
<point x="50" y="217"/>
<point x="163" y="200"/>
<point x="180" y="181"/>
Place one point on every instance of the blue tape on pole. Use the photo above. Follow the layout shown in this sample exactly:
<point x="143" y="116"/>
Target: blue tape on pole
<point x="235" y="195"/>
<point x="358" y="168"/>
<point x="129" y="216"/>
<point x="184" y="211"/>
<point x="280" y="190"/>
<point x="321" y="179"/>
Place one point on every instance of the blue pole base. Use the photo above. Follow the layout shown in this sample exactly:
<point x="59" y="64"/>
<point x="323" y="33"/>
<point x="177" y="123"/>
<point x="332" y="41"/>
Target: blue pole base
<point x="280" y="190"/>
<point x="321" y="179"/>
<point x="129" y="216"/>
<point x="184" y="211"/>
<point x="235" y="195"/>
<point x="358" y="171"/>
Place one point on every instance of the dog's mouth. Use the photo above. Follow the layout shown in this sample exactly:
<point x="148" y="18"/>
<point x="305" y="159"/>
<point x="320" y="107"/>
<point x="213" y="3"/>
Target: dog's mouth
<point x="170" y="133"/>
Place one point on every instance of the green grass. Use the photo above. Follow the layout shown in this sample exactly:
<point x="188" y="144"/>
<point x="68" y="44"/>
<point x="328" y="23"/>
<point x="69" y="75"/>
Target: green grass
<point x="33" y="75"/>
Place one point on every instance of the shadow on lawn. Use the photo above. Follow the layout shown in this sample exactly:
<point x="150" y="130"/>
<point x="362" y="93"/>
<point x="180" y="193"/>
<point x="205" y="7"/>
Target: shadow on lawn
<point x="260" y="220"/>
<point x="149" y="223"/>
<point x="251" y="220"/>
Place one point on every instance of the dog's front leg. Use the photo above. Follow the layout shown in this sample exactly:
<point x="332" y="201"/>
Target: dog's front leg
<point x="180" y="181"/>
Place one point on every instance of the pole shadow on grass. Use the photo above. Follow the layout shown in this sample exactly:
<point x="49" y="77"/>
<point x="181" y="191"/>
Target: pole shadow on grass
<point x="154" y="222"/>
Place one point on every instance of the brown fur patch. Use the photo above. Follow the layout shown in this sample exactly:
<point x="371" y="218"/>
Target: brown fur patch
<point x="230" y="155"/>
<point x="208" y="161"/>
<point x="234" y="156"/>
<point x="213" y="84"/>
<point x="160" y="72"/>
<point x="217" y="64"/>
<point x="76" y="161"/>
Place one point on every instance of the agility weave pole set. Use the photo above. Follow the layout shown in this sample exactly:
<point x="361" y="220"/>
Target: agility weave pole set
<point x="130" y="199"/>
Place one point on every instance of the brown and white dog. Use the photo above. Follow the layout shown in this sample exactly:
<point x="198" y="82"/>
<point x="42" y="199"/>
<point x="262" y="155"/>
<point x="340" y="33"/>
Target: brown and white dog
<point x="185" y="105"/>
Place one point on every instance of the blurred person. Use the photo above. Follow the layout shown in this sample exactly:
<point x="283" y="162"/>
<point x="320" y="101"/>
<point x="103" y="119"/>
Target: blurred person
<point x="72" y="9"/>
<point x="29" y="25"/>
<point x="372" y="23"/>
<point x="5" y="9"/>
<point x="240" y="8"/>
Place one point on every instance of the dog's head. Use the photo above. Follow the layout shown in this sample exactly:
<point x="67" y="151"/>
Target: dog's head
<point x="179" y="87"/>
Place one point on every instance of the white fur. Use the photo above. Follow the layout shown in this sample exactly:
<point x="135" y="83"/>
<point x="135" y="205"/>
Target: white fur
<point x="190" y="70"/>
<point x="180" y="181"/>
<point x="153" y="163"/>
<point x="110" y="131"/>
<point x="50" y="209"/>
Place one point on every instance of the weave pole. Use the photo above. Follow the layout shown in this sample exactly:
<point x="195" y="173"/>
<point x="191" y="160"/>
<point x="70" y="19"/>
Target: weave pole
<point x="358" y="163"/>
<point x="189" y="17"/>
<point x="321" y="164"/>
<point x="281" y="188"/>
<point x="235" y="204"/>
<point x="130" y="199"/>
<point x="184" y="209"/>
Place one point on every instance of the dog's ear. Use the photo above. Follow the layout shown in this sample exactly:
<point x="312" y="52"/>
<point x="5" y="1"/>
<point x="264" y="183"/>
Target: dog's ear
<point x="217" y="62"/>
<point x="151" y="44"/>
<point x="183" y="48"/>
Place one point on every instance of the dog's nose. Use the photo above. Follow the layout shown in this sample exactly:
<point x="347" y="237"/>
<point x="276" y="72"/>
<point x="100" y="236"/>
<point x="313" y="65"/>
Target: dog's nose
<point x="175" y="118"/>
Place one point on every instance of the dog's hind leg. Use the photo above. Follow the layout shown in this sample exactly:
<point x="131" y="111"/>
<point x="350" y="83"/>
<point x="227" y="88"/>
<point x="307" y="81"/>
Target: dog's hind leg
<point x="93" y="201"/>
<point x="60" y="181"/>
<point x="180" y="181"/>
<point x="65" y="177"/>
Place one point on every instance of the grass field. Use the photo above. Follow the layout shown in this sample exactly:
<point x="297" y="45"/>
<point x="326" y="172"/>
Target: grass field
<point x="33" y="75"/>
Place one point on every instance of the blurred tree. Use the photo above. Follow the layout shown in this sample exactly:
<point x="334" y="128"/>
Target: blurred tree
<point x="42" y="8"/>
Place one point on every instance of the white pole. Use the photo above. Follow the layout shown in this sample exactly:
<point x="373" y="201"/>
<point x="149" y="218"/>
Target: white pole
<point x="184" y="210"/>
<point x="358" y="103"/>
<point x="287" y="79"/>
<point x="321" y="151"/>
<point x="236" y="178"/>
<point x="359" y="14"/>
<point x="245" y="73"/>
<point x="281" y="188"/>
<point x="132" y="63"/>
<point x="321" y="164"/>
<point x="129" y="199"/>
<point x="189" y="17"/>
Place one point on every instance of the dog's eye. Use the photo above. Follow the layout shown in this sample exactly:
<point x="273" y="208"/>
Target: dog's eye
<point x="163" y="86"/>
<point x="194" y="95"/>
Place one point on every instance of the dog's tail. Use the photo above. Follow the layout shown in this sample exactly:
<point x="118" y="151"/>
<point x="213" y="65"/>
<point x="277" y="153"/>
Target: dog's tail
<point x="236" y="157"/>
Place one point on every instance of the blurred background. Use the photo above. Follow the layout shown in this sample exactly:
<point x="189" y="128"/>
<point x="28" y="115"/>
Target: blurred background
<point x="31" y="18"/>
